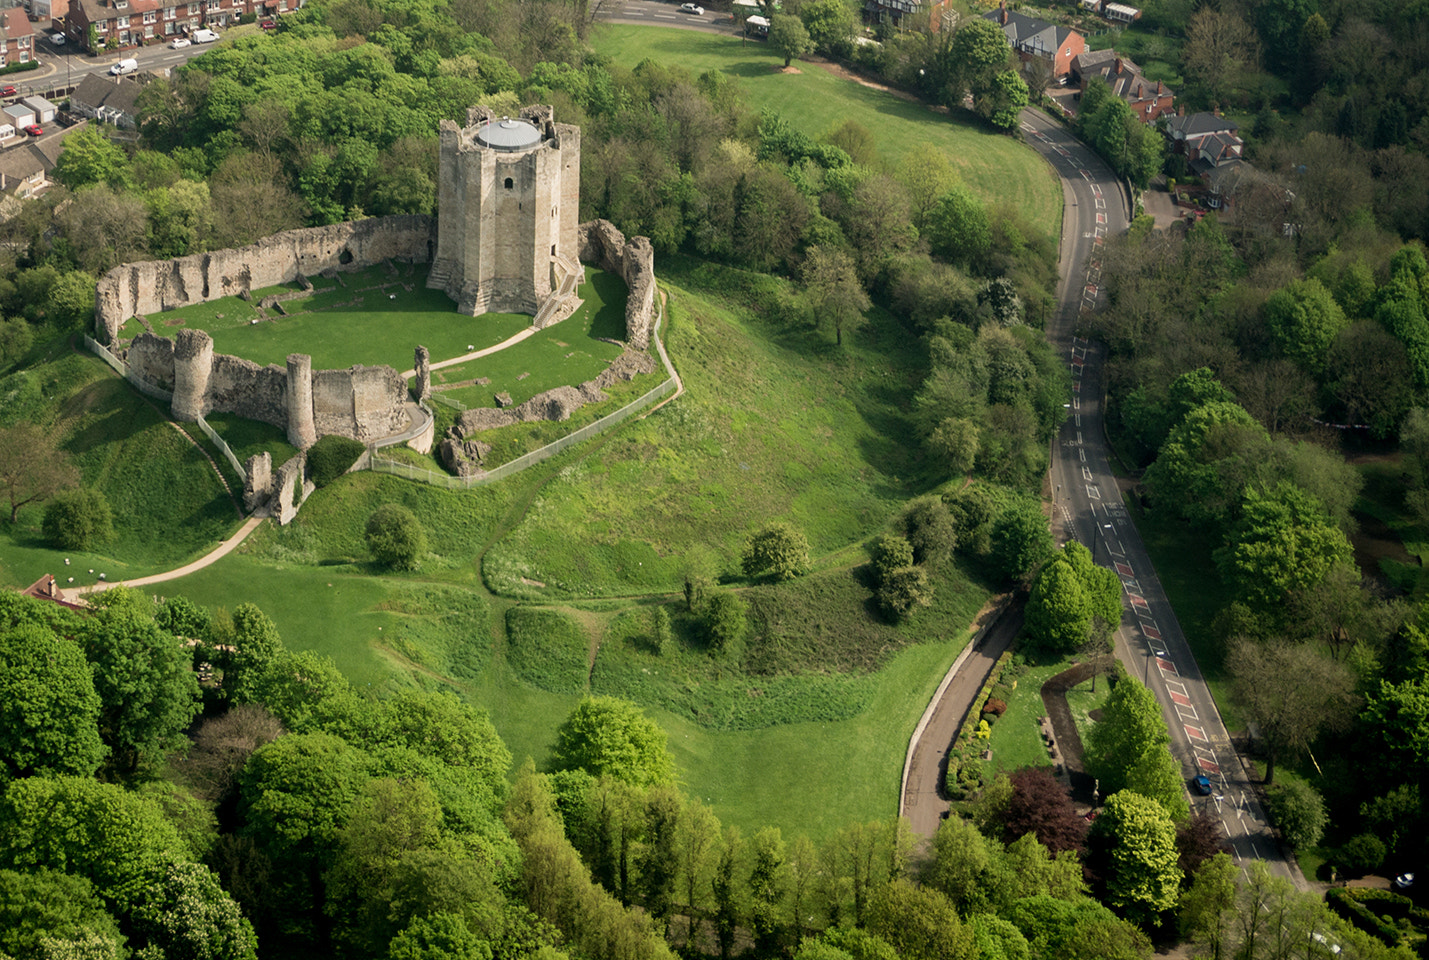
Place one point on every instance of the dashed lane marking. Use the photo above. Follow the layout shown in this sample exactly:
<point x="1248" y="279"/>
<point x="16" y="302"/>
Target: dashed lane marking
<point x="1078" y="418"/>
<point x="1101" y="218"/>
<point x="1086" y="175"/>
<point x="1210" y="766"/>
<point x="1082" y="455"/>
<point x="1180" y="699"/>
<point x="1093" y="492"/>
<point x="1087" y="474"/>
<point x="1186" y="712"/>
<point x="1076" y="386"/>
<point x="1079" y="437"/>
<point x="1167" y="666"/>
<point x="1096" y="189"/>
<point x="1131" y="583"/>
<point x="1137" y="600"/>
<point x="1125" y="570"/>
<point x="1178" y="685"/>
<point x="1101" y="204"/>
<point x="1152" y="632"/>
<point x="1195" y="733"/>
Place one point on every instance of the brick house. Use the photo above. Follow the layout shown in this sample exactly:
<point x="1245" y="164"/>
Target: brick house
<point x="1208" y="141"/>
<point x="130" y="23"/>
<point x="1147" y="99"/>
<point x="17" y="35"/>
<point x="1037" y="41"/>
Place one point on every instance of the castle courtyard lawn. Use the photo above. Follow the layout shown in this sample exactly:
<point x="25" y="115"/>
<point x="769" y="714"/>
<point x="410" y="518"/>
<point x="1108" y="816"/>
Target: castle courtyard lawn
<point x="997" y="167"/>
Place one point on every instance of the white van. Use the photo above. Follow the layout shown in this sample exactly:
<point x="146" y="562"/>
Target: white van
<point x="128" y="65"/>
<point x="203" y="36"/>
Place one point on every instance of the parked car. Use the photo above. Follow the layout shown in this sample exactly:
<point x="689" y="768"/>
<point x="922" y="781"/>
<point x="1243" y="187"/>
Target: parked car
<point x="8" y="90"/>
<point x="58" y="39"/>
<point x="1404" y="881"/>
<point x="692" y="8"/>
<point x="269" y="24"/>
<point x="35" y="130"/>
<point x="127" y="65"/>
<point x="204" y="36"/>
<point x="178" y="43"/>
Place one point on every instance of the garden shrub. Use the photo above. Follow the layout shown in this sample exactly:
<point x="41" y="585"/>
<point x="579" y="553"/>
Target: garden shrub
<point x="78" y="519"/>
<point x="995" y="707"/>
<point x="330" y="458"/>
<point x="395" y="537"/>
<point x="1361" y="855"/>
<point x="1344" y="902"/>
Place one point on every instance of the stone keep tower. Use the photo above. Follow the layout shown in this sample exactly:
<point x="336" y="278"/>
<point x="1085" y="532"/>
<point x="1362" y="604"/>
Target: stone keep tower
<point x="508" y="203"/>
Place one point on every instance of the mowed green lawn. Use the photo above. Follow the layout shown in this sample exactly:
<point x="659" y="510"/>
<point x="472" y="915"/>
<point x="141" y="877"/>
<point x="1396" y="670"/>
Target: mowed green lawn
<point x="374" y="317"/>
<point x="998" y="168"/>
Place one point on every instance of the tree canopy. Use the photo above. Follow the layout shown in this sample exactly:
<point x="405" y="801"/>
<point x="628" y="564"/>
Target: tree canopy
<point x="608" y="735"/>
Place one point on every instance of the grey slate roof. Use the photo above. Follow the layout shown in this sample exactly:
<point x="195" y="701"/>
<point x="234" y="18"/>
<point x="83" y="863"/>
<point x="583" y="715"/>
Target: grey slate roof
<point x="101" y="90"/>
<point x="1028" y="33"/>
<point x="1195" y="125"/>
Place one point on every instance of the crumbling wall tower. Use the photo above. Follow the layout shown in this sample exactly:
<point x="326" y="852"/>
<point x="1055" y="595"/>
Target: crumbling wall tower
<point x="508" y="205"/>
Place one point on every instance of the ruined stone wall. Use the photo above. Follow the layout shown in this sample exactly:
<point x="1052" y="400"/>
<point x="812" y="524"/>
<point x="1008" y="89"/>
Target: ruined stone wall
<point x="151" y="359"/>
<point x="156" y="285"/>
<point x="364" y="403"/>
<point x="634" y="260"/>
<point x="243" y="387"/>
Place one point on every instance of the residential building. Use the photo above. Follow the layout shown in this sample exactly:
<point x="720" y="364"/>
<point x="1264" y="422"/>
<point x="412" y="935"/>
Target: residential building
<point x="1115" y="12"/>
<point x="108" y="99"/>
<point x="25" y="168"/>
<point x="131" y="23"/>
<point x="891" y="12"/>
<point x="1207" y="140"/>
<point x="17" y="37"/>
<point x="1038" y="42"/>
<point x="1147" y="99"/>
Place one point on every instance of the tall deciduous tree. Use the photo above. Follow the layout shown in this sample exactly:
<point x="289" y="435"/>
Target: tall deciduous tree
<point x="1131" y="724"/>
<point x="1040" y="805"/>
<point x="1134" y="840"/>
<point x="779" y="549"/>
<point x="1291" y="691"/>
<point x="919" y="923"/>
<point x="832" y="285"/>
<point x="611" y="736"/>
<point x="1304" y="320"/>
<point x="144" y="678"/>
<point x="1284" y="542"/>
<point x="49" y="712"/>
<point x="1208" y="908"/>
<point x="788" y="37"/>
<point x="32" y="467"/>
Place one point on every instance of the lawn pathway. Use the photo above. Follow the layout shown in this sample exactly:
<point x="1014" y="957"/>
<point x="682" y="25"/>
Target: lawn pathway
<point x="213" y="556"/>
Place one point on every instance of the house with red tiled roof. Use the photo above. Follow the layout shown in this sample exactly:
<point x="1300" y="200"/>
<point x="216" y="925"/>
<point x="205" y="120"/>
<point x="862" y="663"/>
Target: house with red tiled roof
<point x="1147" y="99"/>
<point x="17" y="37"/>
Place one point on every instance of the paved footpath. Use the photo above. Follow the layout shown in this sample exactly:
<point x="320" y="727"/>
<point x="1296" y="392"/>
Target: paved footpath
<point x="221" y="551"/>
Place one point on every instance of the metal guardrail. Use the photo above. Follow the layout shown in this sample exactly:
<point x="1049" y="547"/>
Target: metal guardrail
<point x="380" y="465"/>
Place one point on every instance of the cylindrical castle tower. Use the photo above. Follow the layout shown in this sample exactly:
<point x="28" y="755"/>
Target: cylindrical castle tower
<point x="301" y="431"/>
<point x="193" y="362"/>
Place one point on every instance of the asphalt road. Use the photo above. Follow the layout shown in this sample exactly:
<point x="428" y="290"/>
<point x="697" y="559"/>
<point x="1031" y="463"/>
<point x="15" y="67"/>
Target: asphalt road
<point x="67" y="65"/>
<point x="1089" y="508"/>
<point x="666" y="14"/>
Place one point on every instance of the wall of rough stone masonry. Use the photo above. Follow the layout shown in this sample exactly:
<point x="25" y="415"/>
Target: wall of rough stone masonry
<point x="243" y="387"/>
<point x="634" y="260"/>
<point x="365" y="403"/>
<point x="151" y="359"/>
<point x="154" y="286"/>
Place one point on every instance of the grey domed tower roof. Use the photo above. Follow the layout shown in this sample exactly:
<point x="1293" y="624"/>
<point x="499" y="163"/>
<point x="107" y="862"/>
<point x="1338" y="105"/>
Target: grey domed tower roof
<point x="508" y="135"/>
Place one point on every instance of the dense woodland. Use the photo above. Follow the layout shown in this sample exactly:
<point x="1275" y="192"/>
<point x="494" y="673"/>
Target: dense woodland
<point x="149" y="810"/>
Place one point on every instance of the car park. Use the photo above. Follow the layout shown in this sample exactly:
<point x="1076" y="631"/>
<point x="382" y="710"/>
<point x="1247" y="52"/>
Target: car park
<point x="35" y="130"/>
<point x="692" y="8"/>
<point x="178" y="43"/>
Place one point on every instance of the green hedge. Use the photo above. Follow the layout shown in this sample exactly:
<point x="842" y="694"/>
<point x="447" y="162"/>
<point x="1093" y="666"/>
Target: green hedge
<point x="964" y="769"/>
<point x="20" y="67"/>
<point x="1349" y="903"/>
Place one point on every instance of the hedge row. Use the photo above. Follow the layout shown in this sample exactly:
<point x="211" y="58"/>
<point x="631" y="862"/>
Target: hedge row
<point x="20" y="67"/>
<point x="964" y="771"/>
<point x="970" y="723"/>
<point x="1350" y="904"/>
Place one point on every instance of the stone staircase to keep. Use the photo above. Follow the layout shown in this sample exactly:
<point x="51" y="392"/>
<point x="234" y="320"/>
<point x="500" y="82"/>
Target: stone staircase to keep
<point x="562" y="301"/>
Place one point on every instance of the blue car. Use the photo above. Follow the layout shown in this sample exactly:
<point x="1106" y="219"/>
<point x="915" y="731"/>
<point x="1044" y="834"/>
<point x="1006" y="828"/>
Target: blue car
<point x="1202" y="785"/>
